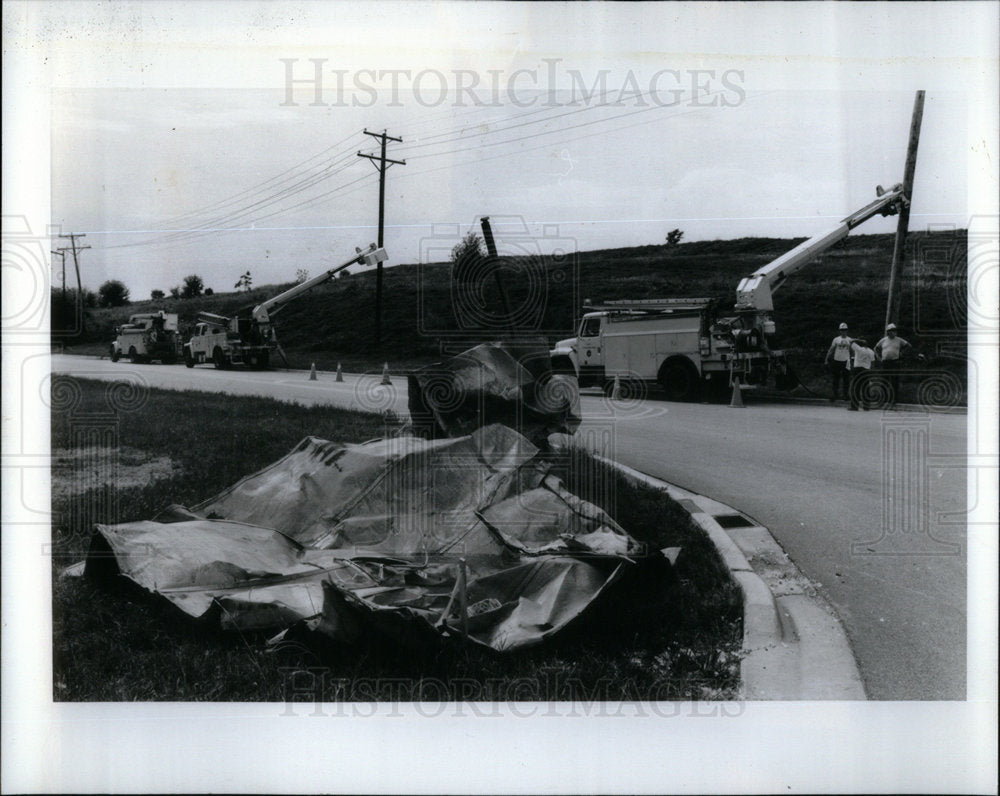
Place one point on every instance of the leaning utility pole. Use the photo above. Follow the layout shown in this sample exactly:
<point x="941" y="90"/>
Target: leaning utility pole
<point x="382" y="163"/>
<point x="892" y="303"/>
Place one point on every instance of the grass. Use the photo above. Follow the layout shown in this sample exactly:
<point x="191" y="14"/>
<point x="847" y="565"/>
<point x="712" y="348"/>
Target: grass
<point x="848" y="282"/>
<point x="665" y="634"/>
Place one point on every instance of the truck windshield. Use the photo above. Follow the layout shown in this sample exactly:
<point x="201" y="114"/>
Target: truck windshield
<point x="591" y="327"/>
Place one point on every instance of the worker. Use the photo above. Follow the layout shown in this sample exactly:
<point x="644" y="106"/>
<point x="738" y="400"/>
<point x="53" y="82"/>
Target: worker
<point x="889" y="351"/>
<point x="862" y="358"/>
<point x="838" y="361"/>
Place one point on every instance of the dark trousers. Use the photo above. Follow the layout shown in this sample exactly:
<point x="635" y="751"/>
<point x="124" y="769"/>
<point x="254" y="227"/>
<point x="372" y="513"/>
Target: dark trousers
<point x="891" y="368"/>
<point x="840" y="375"/>
<point x="859" y="388"/>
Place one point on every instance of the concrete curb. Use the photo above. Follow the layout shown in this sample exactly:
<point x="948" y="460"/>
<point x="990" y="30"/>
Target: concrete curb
<point x="794" y="645"/>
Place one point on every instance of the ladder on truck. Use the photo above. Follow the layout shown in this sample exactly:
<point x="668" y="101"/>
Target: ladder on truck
<point x="649" y="305"/>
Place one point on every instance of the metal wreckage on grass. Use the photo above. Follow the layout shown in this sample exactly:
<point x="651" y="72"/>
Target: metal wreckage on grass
<point x="456" y="529"/>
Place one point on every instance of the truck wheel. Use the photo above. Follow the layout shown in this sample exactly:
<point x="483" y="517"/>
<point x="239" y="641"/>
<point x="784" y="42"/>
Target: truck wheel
<point x="679" y="380"/>
<point x="115" y="354"/>
<point x="133" y="356"/>
<point x="188" y="360"/>
<point x="220" y="360"/>
<point x="563" y="366"/>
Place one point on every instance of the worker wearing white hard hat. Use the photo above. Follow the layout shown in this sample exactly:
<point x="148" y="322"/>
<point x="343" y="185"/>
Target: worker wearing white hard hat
<point x="838" y="362"/>
<point x="889" y="351"/>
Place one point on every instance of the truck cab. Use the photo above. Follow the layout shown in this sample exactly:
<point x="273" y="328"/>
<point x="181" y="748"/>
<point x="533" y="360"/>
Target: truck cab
<point x="147" y="336"/>
<point x="209" y="343"/>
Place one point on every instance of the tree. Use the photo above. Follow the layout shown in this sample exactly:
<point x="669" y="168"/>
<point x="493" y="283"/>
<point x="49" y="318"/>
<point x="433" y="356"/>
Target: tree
<point x="192" y="286"/>
<point x="156" y="295"/>
<point x="244" y="283"/>
<point x="113" y="293"/>
<point x="301" y="275"/>
<point x="470" y="245"/>
<point x="175" y="291"/>
<point x="674" y="237"/>
<point x="209" y="291"/>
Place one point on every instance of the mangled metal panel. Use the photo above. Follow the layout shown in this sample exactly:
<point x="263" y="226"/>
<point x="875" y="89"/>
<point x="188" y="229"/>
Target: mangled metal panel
<point x="503" y="382"/>
<point x="415" y="538"/>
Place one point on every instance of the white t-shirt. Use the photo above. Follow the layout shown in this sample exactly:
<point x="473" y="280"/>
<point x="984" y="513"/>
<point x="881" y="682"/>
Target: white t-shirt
<point x="863" y="356"/>
<point x="841" y="347"/>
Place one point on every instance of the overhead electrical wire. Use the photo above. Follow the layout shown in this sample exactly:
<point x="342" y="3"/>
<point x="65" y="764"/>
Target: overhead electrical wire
<point x="304" y="181"/>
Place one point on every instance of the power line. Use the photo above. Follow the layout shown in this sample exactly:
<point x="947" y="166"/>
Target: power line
<point x="277" y="177"/>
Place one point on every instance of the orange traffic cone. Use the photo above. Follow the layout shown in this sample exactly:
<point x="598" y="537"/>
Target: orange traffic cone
<point x="312" y="372"/>
<point x="737" y="399"/>
<point x="340" y="373"/>
<point x="385" y="374"/>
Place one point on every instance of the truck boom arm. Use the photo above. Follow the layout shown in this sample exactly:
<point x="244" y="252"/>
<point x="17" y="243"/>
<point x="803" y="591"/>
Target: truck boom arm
<point x="754" y="291"/>
<point x="263" y="311"/>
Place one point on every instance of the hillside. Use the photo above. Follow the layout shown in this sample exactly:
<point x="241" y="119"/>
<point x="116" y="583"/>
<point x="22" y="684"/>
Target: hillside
<point x="423" y="309"/>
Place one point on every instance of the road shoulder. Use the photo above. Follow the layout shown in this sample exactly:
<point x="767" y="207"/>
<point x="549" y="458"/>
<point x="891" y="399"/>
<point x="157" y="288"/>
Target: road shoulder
<point x="795" y="647"/>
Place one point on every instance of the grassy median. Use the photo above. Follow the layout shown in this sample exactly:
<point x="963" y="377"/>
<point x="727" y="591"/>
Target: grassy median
<point x="664" y="634"/>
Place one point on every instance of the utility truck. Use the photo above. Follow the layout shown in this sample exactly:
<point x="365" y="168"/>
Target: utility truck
<point x="684" y="345"/>
<point x="248" y="338"/>
<point x="147" y="336"/>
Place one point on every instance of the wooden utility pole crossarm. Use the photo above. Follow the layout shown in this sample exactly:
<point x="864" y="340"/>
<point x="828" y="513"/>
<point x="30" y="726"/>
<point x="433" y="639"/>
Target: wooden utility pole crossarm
<point x="382" y="163"/>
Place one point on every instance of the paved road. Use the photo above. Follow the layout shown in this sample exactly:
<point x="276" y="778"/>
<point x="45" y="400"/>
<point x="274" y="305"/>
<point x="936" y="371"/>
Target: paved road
<point x="868" y="504"/>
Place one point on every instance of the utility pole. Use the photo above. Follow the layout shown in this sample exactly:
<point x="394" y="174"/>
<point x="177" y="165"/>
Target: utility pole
<point x="381" y="162"/>
<point x="76" y="258"/>
<point x="76" y="264"/>
<point x="892" y="303"/>
<point x="61" y="254"/>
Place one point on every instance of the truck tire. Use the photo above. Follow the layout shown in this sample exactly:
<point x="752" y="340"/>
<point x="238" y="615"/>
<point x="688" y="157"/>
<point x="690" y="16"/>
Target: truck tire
<point x="679" y="379"/>
<point x="115" y="354"/>
<point x="563" y="366"/>
<point x="188" y="359"/>
<point x="220" y="359"/>
<point x="133" y="356"/>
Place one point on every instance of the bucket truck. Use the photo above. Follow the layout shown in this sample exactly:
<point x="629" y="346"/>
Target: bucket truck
<point x="684" y="344"/>
<point x="147" y="336"/>
<point x="249" y="338"/>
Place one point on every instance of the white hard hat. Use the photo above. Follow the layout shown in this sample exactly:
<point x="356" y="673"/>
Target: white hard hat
<point x="843" y="326"/>
<point x="891" y="327"/>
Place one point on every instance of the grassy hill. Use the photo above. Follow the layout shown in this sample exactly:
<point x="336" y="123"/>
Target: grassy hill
<point x="425" y="309"/>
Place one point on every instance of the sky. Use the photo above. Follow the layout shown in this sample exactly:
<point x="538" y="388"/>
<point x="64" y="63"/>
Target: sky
<point x="566" y="138"/>
<point x="137" y="122"/>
